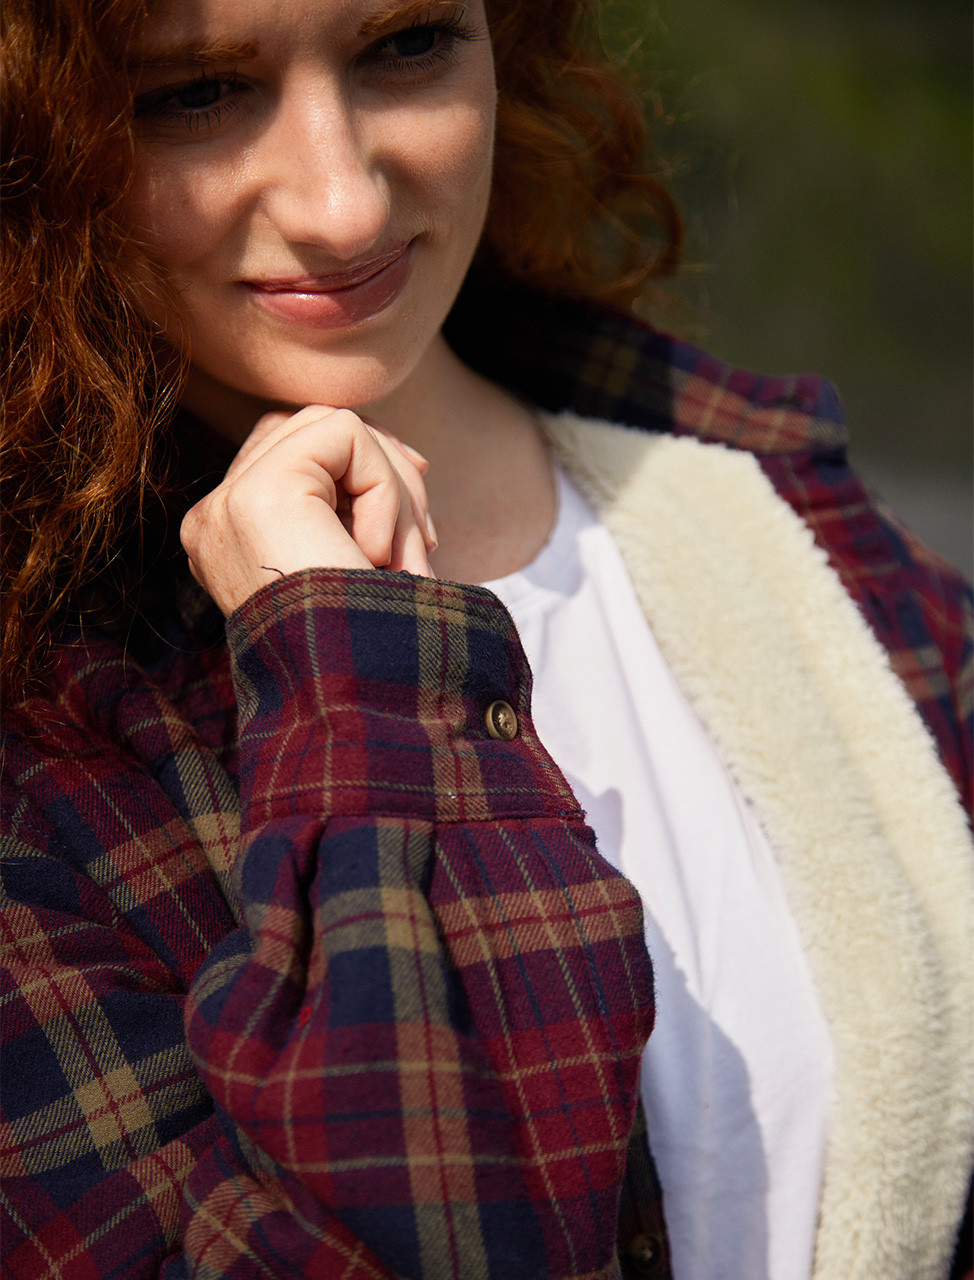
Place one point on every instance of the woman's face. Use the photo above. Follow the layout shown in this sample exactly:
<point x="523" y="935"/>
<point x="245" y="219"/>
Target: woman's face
<point x="313" y="176"/>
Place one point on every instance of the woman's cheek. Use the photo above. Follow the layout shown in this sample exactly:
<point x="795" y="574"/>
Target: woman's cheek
<point x="180" y="211"/>
<point x="454" y="173"/>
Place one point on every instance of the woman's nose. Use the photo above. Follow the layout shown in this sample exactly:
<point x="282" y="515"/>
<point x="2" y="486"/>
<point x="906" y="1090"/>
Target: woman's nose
<point x="323" y="181"/>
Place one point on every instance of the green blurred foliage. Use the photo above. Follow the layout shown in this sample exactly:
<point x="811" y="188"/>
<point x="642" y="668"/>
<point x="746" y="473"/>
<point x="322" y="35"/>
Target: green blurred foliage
<point x="821" y="152"/>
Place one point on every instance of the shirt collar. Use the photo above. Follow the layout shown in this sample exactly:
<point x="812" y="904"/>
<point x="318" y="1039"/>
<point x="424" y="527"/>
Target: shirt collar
<point x="601" y="362"/>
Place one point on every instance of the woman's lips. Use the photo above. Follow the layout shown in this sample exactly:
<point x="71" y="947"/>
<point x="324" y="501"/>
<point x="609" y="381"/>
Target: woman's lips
<point x="339" y="300"/>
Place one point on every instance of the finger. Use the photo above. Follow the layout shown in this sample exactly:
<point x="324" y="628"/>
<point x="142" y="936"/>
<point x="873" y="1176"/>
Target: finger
<point x="333" y="456"/>
<point x="269" y="430"/>
<point x="409" y="547"/>
<point x="412" y="477"/>
<point x="421" y="463"/>
<point x="377" y="503"/>
<point x="410" y="555"/>
<point x="415" y="457"/>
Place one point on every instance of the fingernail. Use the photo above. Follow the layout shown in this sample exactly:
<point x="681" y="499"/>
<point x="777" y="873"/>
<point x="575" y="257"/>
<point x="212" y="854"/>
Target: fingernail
<point x="431" y="530"/>
<point x="413" y="453"/>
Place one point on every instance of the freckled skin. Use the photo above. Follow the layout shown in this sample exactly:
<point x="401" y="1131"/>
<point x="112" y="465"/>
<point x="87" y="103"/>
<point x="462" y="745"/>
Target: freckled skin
<point x="296" y="139"/>
<point x="322" y="157"/>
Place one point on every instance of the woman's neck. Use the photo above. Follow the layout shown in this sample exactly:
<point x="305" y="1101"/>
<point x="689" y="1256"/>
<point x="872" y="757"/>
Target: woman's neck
<point x="491" y="482"/>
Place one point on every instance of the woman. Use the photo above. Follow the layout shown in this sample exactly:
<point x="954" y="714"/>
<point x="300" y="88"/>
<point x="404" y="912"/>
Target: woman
<point x="313" y="966"/>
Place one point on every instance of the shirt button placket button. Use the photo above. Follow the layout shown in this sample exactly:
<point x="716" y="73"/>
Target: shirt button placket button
<point x="501" y="721"/>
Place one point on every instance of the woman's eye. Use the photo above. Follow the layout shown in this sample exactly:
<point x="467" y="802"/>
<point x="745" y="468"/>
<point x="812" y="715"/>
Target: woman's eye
<point x="422" y="47"/>
<point x="204" y="93"/>
<point x="198" y="105"/>
<point x="411" y="44"/>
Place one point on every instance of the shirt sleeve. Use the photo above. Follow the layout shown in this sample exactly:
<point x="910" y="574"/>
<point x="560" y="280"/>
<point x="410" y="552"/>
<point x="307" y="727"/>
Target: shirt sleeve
<point x="418" y="1048"/>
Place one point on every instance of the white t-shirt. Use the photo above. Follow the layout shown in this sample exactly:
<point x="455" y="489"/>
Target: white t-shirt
<point x="737" y="1076"/>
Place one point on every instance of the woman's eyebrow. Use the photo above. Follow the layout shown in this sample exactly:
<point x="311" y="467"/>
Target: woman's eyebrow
<point x="192" y="51"/>
<point x="403" y="13"/>
<point x="200" y="51"/>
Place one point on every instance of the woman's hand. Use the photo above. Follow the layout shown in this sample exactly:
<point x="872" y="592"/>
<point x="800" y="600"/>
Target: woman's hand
<point x="319" y="489"/>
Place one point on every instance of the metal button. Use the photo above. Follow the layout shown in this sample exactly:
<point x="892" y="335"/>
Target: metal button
<point x="644" y="1252"/>
<point x="501" y="721"/>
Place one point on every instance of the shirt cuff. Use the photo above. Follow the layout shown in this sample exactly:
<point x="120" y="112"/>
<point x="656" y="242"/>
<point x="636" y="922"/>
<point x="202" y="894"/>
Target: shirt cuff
<point x="367" y="691"/>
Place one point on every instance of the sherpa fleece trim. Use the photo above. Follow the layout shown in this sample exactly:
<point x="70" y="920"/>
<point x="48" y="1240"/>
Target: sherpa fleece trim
<point x="875" y="851"/>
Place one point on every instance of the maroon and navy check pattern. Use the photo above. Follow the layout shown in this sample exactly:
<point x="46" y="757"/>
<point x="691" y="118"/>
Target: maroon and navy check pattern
<point x="306" y="975"/>
<point x="416" y="1015"/>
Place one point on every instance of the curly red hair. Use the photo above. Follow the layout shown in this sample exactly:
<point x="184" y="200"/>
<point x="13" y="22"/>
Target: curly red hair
<point x="575" y="210"/>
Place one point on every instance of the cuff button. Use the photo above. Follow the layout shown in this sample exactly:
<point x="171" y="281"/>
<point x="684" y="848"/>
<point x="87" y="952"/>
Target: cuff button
<point x="644" y="1253"/>
<point x="501" y="721"/>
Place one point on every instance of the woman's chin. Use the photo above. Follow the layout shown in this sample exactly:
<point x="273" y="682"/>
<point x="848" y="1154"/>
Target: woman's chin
<point x="234" y="407"/>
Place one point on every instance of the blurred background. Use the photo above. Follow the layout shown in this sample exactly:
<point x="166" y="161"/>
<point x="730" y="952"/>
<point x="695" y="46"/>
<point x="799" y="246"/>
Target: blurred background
<point x="821" y="152"/>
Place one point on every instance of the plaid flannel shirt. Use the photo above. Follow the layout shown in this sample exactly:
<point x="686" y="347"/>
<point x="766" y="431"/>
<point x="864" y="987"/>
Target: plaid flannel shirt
<point x="307" y="975"/>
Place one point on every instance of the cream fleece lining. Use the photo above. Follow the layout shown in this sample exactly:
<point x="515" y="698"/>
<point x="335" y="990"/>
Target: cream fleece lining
<point x="876" y="856"/>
